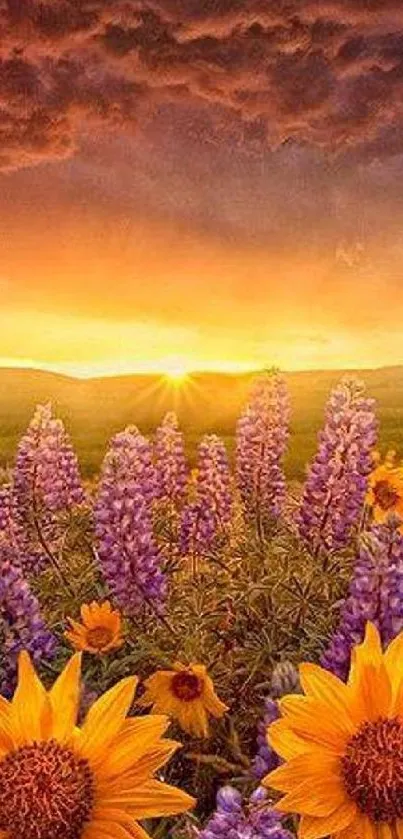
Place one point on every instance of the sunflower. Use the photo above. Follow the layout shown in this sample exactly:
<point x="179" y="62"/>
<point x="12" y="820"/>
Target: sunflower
<point x="61" y="782"/>
<point x="100" y="630"/>
<point x="385" y="491"/>
<point x="185" y="693"/>
<point x="343" y="744"/>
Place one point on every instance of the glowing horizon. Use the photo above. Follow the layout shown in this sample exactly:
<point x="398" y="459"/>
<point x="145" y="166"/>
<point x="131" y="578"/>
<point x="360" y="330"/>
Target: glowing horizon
<point x="107" y="370"/>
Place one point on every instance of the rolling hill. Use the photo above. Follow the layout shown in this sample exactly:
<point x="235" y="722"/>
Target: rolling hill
<point x="95" y="409"/>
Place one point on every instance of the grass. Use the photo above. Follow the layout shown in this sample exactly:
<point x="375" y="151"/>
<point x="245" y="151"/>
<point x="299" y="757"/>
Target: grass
<point x="94" y="410"/>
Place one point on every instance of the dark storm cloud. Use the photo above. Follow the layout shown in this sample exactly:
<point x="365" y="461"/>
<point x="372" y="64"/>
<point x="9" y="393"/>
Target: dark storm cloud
<point x="326" y="73"/>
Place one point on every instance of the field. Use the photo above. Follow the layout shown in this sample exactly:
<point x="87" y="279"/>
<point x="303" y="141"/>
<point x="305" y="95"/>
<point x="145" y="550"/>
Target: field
<point x="93" y="410"/>
<point x="210" y="586"/>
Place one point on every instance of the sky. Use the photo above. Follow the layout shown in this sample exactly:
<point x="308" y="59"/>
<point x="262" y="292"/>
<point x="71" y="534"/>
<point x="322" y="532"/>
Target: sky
<point x="201" y="184"/>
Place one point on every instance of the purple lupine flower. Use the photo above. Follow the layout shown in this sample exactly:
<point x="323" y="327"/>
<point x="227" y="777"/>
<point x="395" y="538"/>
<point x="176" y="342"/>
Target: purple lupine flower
<point x="129" y="557"/>
<point x="284" y="680"/>
<point x="27" y="553"/>
<point x="228" y="818"/>
<point x="375" y="594"/>
<point x="266" y="758"/>
<point x="45" y="482"/>
<point x="46" y="470"/>
<point x="207" y="518"/>
<point x="261" y="441"/>
<point x="264" y="822"/>
<point x="58" y="474"/>
<point x="170" y="463"/>
<point x="21" y="624"/>
<point x="232" y="820"/>
<point x="337" y="480"/>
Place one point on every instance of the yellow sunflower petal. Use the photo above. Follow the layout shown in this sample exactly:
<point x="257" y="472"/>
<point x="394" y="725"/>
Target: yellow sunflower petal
<point x="360" y="828"/>
<point x="31" y="710"/>
<point x="369" y="679"/>
<point x="105" y="719"/>
<point x="327" y="688"/>
<point x="149" y="800"/>
<point x="65" y="697"/>
<point x="333" y="732"/>
<point x="157" y="688"/>
<point x="109" y="830"/>
<point x="318" y="828"/>
<point x="141" y="771"/>
<point x="6" y="739"/>
<point x="285" y="742"/>
<point x="211" y="701"/>
<point x="312" y="783"/>
<point x="90" y="614"/>
<point x="393" y="662"/>
<point x="399" y="828"/>
<point x="111" y="823"/>
<point x="133" y="741"/>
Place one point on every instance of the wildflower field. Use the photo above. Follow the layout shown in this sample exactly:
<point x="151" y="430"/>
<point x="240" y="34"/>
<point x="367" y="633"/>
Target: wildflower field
<point x="219" y="653"/>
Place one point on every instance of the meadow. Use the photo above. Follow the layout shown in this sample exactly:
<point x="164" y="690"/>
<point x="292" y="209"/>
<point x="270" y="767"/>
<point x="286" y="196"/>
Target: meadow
<point x="195" y="580"/>
<point x="95" y="409"/>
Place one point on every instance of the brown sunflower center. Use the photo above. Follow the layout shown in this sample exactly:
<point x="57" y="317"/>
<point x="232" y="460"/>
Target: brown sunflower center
<point x="385" y="495"/>
<point x="99" y="637"/>
<point x="372" y="769"/>
<point x="46" y="792"/>
<point x="186" y="686"/>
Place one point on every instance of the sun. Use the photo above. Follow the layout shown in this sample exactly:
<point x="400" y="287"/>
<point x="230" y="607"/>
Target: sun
<point x="176" y="370"/>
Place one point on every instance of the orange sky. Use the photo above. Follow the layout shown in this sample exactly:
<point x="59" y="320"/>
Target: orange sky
<point x="211" y="200"/>
<point x="89" y="287"/>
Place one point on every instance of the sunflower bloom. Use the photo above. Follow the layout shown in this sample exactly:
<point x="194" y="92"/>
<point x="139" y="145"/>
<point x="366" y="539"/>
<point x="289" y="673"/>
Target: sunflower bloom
<point x="343" y="747"/>
<point x="385" y="491"/>
<point x="61" y="782"/>
<point x="185" y="693"/>
<point x="100" y="630"/>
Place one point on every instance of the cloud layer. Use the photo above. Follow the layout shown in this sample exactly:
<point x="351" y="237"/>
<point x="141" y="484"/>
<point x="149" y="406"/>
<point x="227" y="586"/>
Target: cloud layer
<point x="326" y="73"/>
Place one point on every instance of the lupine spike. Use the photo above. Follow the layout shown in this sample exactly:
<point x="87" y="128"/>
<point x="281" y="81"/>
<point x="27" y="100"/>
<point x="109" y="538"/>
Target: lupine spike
<point x="22" y="626"/>
<point x="129" y="557"/>
<point x="170" y="462"/>
<point x="261" y="441"/>
<point x="233" y="820"/>
<point x="46" y="469"/>
<point x="266" y="758"/>
<point x="337" y="480"/>
<point x="45" y="482"/>
<point x="207" y="518"/>
<point x="375" y="594"/>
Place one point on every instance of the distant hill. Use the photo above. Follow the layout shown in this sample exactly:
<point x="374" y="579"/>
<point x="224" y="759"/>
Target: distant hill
<point x="95" y="409"/>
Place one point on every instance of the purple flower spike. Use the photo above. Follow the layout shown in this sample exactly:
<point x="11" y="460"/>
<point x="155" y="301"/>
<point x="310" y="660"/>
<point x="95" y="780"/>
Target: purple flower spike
<point x="207" y="518"/>
<point x="46" y="470"/>
<point x="171" y="471"/>
<point x="21" y="624"/>
<point x="337" y="479"/>
<point x="232" y="820"/>
<point x="129" y="557"/>
<point x="266" y="758"/>
<point x="375" y="594"/>
<point x="261" y="441"/>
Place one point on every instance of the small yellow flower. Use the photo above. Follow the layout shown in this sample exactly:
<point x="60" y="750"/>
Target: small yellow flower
<point x="185" y="693"/>
<point x="343" y="747"/>
<point x="385" y="492"/>
<point x="94" y="782"/>
<point x="100" y="630"/>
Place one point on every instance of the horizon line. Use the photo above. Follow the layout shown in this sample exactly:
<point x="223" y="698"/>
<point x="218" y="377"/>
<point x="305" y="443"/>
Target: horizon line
<point x="70" y="371"/>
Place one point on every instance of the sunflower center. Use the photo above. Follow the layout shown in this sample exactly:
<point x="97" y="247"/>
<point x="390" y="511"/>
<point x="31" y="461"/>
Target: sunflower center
<point x="46" y="792"/>
<point x="385" y="495"/>
<point x="372" y="769"/>
<point x="99" y="637"/>
<point x="186" y="686"/>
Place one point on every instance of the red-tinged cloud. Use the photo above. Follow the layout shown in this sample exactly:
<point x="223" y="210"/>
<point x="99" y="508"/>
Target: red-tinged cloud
<point x="326" y="74"/>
